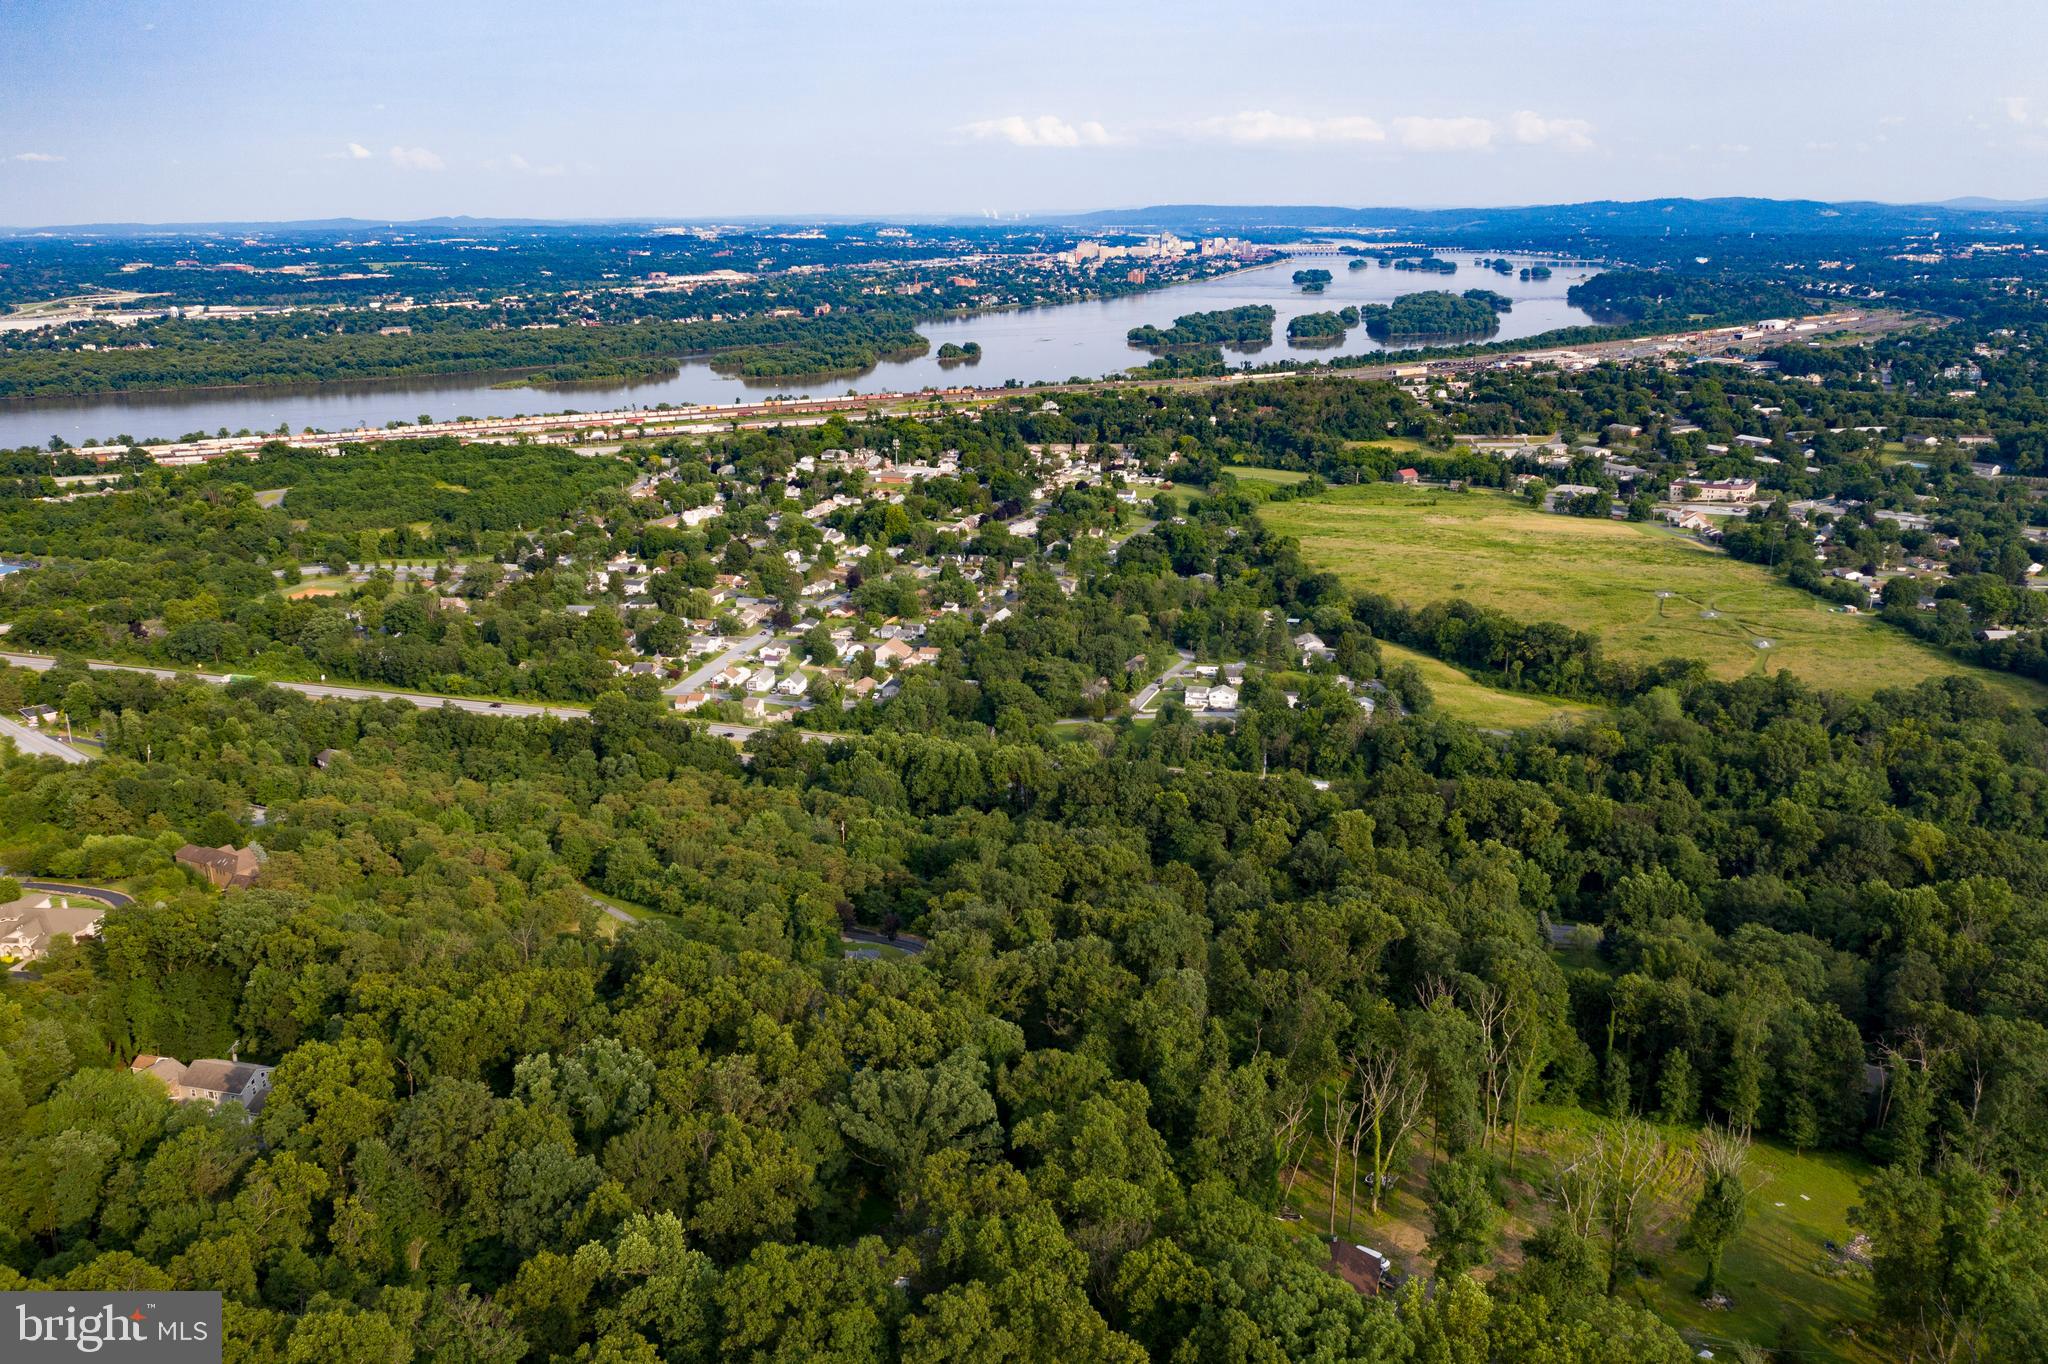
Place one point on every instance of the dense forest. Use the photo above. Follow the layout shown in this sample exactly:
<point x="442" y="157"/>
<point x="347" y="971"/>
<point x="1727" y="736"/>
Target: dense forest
<point x="1683" y="299"/>
<point x="1245" y="328"/>
<point x="990" y="1020"/>
<point x="1431" y="314"/>
<point x="498" y="1128"/>
<point x="755" y="347"/>
<point x="1322" y="327"/>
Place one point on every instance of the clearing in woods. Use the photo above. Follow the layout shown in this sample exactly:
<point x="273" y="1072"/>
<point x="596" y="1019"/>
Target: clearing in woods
<point x="1646" y="592"/>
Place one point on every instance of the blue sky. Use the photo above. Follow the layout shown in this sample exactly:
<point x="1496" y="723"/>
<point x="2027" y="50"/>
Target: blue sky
<point x="167" y="110"/>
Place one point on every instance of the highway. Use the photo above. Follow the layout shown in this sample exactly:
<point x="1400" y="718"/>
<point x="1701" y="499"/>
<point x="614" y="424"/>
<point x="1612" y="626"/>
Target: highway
<point x="35" y="741"/>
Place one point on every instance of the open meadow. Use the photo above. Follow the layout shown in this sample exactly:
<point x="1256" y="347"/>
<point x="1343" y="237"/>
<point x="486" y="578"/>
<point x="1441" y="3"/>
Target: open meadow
<point x="1646" y="592"/>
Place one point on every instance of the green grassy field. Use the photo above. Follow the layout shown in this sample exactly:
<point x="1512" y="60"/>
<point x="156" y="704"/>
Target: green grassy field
<point x="1461" y="697"/>
<point x="1400" y="445"/>
<point x="1251" y="473"/>
<point x="1646" y="592"/>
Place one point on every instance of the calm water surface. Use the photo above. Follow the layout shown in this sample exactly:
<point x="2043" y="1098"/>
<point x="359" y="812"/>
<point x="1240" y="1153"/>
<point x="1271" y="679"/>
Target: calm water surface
<point x="1069" y="341"/>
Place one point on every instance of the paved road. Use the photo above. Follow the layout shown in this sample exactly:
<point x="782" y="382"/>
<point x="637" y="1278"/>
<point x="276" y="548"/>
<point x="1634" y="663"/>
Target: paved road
<point x="744" y="649"/>
<point x="112" y="897"/>
<point x="907" y="943"/>
<point x="612" y="910"/>
<point x="1151" y="693"/>
<point x="34" y="741"/>
<point x="327" y="691"/>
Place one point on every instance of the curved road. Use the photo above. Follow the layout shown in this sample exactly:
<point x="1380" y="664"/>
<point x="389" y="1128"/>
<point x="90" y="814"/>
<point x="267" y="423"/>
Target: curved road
<point x="117" y="899"/>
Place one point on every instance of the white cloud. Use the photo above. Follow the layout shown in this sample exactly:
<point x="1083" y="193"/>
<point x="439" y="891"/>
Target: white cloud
<point x="1047" y="130"/>
<point x="1573" y="134"/>
<point x="1253" y="126"/>
<point x="40" y="158"/>
<point x="2018" y="108"/>
<point x="416" y="158"/>
<point x="358" y="152"/>
<point x="520" y="165"/>
<point x="1463" y="134"/>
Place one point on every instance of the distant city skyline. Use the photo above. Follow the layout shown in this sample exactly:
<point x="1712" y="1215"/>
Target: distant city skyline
<point x="149" y="111"/>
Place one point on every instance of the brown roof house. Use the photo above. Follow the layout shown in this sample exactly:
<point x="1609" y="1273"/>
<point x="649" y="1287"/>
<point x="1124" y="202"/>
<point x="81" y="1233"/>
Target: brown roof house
<point x="1364" y="1268"/>
<point x="209" y="1080"/>
<point x="29" y="925"/>
<point x="226" y="865"/>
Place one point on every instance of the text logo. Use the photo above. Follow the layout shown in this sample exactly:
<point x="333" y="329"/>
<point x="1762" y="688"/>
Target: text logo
<point x="167" y="1328"/>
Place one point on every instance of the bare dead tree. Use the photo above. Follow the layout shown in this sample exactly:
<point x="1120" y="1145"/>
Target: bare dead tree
<point x="1636" y="1177"/>
<point x="1339" y="1112"/>
<point x="1501" y="1023"/>
<point x="1391" y="1094"/>
<point x="1290" y="1134"/>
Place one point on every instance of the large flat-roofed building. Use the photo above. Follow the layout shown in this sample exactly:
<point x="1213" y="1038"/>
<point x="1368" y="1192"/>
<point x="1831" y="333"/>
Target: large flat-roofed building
<point x="1713" y="490"/>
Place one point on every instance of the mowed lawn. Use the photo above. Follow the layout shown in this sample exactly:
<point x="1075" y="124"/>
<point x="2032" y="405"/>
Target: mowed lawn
<point x="1645" y="592"/>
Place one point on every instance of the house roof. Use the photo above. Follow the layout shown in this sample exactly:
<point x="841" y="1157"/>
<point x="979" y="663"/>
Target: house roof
<point x="1357" y="1266"/>
<point x="42" y="918"/>
<point x="166" y="1068"/>
<point x="221" y="1077"/>
<point x="237" y="864"/>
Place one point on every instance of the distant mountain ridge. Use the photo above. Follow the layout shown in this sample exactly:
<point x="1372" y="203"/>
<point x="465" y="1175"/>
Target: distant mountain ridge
<point x="1598" y="217"/>
<point x="1601" y="216"/>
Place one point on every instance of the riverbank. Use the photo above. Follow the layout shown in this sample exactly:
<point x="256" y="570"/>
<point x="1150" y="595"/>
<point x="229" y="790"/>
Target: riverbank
<point x="1078" y="341"/>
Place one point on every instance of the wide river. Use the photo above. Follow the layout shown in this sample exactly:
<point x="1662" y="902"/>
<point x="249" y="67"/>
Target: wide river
<point x="1068" y="341"/>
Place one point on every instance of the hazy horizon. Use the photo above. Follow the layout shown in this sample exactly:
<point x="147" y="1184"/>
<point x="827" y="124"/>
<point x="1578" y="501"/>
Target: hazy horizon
<point x="147" y="112"/>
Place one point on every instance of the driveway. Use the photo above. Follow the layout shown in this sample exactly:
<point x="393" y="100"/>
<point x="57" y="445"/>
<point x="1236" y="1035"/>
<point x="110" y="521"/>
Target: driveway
<point x="696" y="680"/>
<point x="1145" y="698"/>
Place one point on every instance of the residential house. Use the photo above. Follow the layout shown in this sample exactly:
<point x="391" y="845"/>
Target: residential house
<point x="225" y="866"/>
<point x="30" y="924"/>
<point x="1364" y="1268"/>
<point x="208" y="1080"/>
